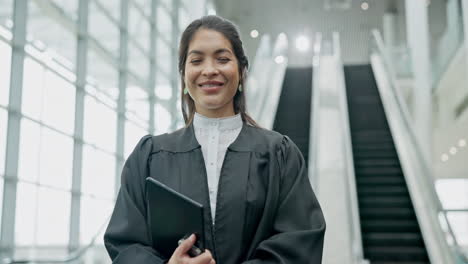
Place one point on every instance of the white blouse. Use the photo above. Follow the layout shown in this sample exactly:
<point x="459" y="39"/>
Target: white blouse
<point x="215" y="135"/>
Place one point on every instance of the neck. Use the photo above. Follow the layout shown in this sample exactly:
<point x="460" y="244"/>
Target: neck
<point x="217" y="113"/>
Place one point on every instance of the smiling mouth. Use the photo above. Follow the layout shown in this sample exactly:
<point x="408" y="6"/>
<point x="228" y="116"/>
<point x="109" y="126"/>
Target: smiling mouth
<point x="211" y="86"/>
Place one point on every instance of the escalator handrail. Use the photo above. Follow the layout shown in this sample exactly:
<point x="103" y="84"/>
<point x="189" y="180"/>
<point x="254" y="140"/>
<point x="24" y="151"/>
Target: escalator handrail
<point x="413" y="139"/>
<point x="75" y="255"/>
<point x="350" y="177"/>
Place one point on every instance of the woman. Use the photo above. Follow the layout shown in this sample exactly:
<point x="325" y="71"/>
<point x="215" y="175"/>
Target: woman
<point x="254" y="181"/>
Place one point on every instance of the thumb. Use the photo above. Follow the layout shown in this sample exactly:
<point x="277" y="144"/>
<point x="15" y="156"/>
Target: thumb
<point x="185" y="246"/>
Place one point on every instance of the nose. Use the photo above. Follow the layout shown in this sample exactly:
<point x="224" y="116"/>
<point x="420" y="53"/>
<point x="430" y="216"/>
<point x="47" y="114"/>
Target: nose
<point x="210" y="70"/>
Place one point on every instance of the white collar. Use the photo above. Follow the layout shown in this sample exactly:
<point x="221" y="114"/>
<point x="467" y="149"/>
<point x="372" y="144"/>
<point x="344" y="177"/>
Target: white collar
<point x="224" y="123"/>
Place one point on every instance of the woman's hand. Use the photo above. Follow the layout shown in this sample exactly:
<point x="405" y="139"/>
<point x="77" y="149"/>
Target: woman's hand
<point x="180" y="255"/>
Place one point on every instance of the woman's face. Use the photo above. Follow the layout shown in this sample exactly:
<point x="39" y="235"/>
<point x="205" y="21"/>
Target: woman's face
<point x="211" y="73"/>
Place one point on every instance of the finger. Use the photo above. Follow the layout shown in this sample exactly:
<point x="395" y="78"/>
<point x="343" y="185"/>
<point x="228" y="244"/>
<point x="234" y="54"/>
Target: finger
<point x="185" y="246"/>
<point x="203" y="258"/>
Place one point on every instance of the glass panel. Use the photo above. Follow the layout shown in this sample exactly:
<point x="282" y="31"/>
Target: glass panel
<point x="184" y="19"/>
<point x="100" y="124"/>
<point x="139" y="28"/>
<point x="103" y="29"/>
<point x="459" y="223"/>
<point x="44" y="31"/>
<point x="167" y="4"/>
<point x="163" y="86"/>
<point x="29" y="151"/>
<point x="6" y="9"/>
<point x="56" y="159"/>
<point x="164" y="23"/>
<point x="163" y="119"/>
<point x="145" y="5"/>
<point x="138" y="62"/>
<point x="94" y="214"/>
<point x="98" y="176"/>
<point x="70" y="7"/>
<point x="133" y="134"/>
<point x="103" y="74"/>
<point x="163" y="56"/>
<point x="5" y="58"/>
<point x="26" y="214"/>
<point x="113" y="7"/>
<point x="137" y="104"/>
<point x="33" y="85"/>
<point x="1" y="200"/>
<point x="59" y="103"/>
<point x="3" y="135"/>
<point x="453" y="193"/>
<point x="53" y="220"/>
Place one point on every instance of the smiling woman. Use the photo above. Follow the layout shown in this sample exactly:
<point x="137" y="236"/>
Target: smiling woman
<point x="252" y="182"/>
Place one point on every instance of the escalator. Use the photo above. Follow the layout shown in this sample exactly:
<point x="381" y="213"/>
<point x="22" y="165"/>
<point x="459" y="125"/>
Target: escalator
<point x="390" y="230"/>
<point x="293" y="113"/>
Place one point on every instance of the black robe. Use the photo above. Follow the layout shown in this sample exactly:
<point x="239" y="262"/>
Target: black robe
<point x="266" y="210"/>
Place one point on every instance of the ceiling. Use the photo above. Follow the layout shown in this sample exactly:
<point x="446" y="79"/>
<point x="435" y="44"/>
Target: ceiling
<point x="306" y="17"/>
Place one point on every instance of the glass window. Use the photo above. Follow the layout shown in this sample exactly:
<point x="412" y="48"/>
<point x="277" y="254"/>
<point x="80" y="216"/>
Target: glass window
<point x="53" y="217"/>
<point x="139" y="27"/>
<point x="5" y="58"/>
<point x="452" y="193"/>
<point x="184" y="19"/>
<point x="100" y="124"/>
<point x="98" y="174"/>
<point x="113" y="7"/>
<point x="26" y="214"/>
<point x="69" y="7"/>
<point x="163" y="86"/>
<point x="33" y="85"/>
<point x="3" y="135"/>
<point x="7" y="13"/>
<point x="162" y="119"/>
<point x="133" y="134"/>
<point x="1" y="200"/>
<point x="103" y="74"/>
<point x="138" y="62"/>
<point x="145" y="5"/>
<point x="459" y="223"/>
<point x="103" y="29"/>
<point x="56" y="159"/>
<point x="93" y="215"/>
<point x="44" y="30"/>
<point x="59" y="103"/>
<point x="137" y="104"/>
<point x="167" y="4"/>
<point x="163" y="56"/>
<point x="29" y="151"/>
<point x="164" y="23"/>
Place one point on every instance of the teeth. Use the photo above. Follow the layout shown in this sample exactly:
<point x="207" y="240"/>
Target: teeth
<point x="210" y="85"/>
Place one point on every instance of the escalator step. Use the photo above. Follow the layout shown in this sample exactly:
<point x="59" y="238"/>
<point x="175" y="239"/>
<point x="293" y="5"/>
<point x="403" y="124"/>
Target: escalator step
<point x="389" y="226"/>
<point x="387" y="213"/>
<point x="379" y="171"/>
<point x="396" y="253"/>
<point x="380" y="180"/>
<point x="385" y="201"/>
<point x="382" y="190"/>
<point x="391" y="163"/>
<point x="393" y="239"/>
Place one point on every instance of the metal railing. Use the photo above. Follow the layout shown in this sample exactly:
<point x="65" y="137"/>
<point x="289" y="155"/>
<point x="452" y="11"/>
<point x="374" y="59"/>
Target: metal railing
<point x="422" y="163"/>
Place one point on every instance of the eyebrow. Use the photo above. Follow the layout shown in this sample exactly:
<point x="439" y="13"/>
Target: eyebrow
<point x="218" y="51"/>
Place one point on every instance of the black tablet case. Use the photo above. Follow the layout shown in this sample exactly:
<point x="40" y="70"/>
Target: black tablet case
<point x="172" y="216"/>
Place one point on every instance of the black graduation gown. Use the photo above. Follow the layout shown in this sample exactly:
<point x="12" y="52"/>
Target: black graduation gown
<point x="266" y="210"/>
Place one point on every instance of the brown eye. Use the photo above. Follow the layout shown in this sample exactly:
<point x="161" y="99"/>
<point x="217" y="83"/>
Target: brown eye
<point x="223" y="60"/>
<point x="195" y="61"/>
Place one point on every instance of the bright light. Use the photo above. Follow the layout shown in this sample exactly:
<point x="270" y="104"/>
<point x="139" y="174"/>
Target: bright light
<point x="364" y="6"/>
<point x="211" y="12"/>
<point x="462" y="143"/>
<point x="453" y="150"/>
<point x="302" y="43"/>
<point x="254" y="33"/>
<point x="444" y="157"/>
<point x="279" y="59"/>
<point x="9" y="23"/>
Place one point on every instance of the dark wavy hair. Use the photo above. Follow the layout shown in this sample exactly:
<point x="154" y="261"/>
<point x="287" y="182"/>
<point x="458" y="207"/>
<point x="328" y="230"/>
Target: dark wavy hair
<point x="229" y="31"/>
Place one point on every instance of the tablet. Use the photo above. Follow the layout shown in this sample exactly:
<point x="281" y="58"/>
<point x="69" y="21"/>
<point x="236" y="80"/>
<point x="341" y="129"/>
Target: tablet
<point x="171" y="217"/>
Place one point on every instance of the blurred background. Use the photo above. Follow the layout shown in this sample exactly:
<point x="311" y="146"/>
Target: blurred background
<point x="374" y="93"/>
